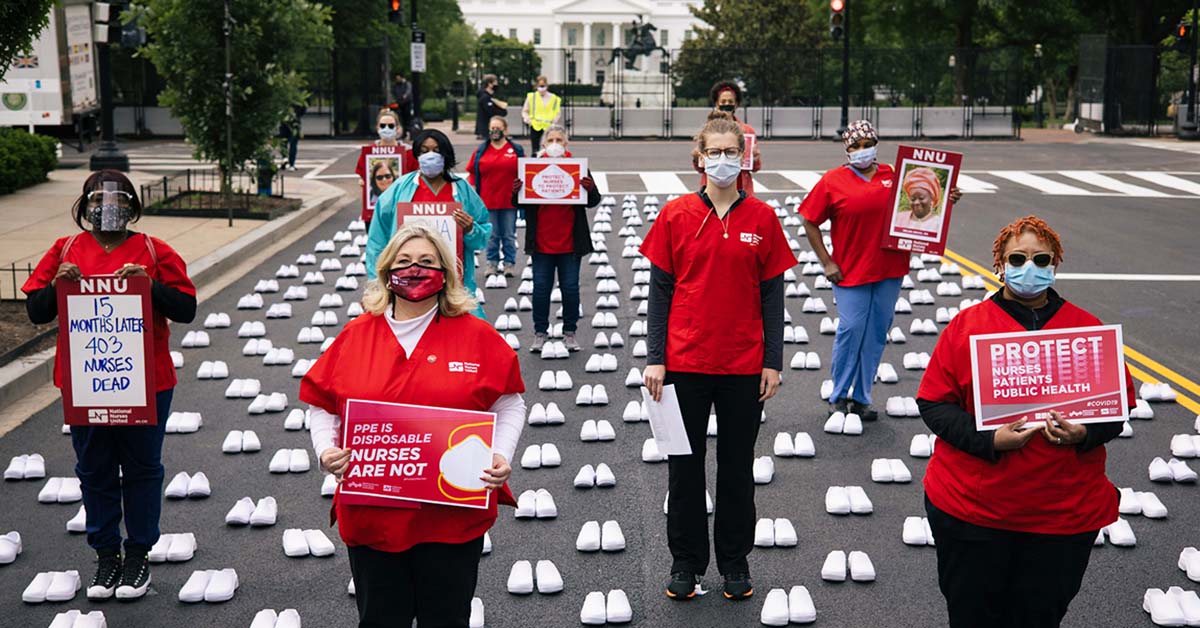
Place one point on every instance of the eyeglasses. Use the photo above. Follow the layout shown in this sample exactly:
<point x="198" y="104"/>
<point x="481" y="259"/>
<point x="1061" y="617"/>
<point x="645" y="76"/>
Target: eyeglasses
<point x="1041" y="260"/>
<point x="715" y="153"/>
<point x="381" y="177"/>
<point x="384" y="125"/>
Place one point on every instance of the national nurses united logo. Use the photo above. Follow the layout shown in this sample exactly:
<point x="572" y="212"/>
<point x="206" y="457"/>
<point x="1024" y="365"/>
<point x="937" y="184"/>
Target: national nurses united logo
<point x="751" y="238"/>
<point x="463" y="367"/>
<point x="97" y="415"/>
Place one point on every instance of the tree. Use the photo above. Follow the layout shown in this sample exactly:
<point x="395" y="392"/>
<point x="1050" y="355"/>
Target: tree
<point x="750" y="40"/>
<point x="20" y="24"/>
<point x="515" y="63"/>
<point x="268" y="42"/>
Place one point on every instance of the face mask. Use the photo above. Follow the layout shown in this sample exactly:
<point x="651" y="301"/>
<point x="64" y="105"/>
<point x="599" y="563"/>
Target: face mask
<point x="555" y="150"/>
<point x="431" y="164"/>
<point x="496" y="135"/>
<point x="722" y="171"/>
<point x="387" y="133"/>
<point x="862" y="158"/>
<point x="416" y="282"/>
<point x="109" y="214"/>
<point x="541" y="88"/>
<point x="1029" y="280"/>
<point x="727" y="108"/>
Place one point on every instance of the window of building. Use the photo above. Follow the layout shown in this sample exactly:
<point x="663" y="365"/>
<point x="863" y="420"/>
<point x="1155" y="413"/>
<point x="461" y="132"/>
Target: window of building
<point x="663" y="39"/>
<point x="687" y="35"/>
<point x="571" y="34"/>
<point x="512" y="33"/>
<point x="600" y="38"/>
<point x="537" y="36"/>
<point x="571" y="78"/>
<point x="627" y="36"/>
<point x="488" y="30"/>
<point x="599" y="77"/>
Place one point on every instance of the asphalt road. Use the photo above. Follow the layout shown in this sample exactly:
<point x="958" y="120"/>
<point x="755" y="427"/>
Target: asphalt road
<point x="1101" y="234"/>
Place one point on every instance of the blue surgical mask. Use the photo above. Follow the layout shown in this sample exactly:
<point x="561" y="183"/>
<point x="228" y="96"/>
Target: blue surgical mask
<point x="387" y="133"/>
<point x="862" y="158"/>
<point x="1028" y="281"/>
<point x="722" y="171"/>
<point x="432" y="164"/>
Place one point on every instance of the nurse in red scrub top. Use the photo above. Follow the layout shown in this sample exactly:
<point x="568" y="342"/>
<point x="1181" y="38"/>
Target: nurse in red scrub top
<point x="716" y="333"/>
<point x="856" y="199"/>
<point x="416" y="560"/>
<point x="1015" y="511"/>
<point x="120" y="469"/>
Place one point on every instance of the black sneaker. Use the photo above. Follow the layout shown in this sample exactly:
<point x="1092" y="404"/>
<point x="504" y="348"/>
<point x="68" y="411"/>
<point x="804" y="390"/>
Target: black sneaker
<point x="135" y="577"/>
<point x="841" y="405"/>
<point x="864" y="411"/>
<point x="108" y="576"/>
<point x="738" y="586"/>
<point x="682" y="586"/>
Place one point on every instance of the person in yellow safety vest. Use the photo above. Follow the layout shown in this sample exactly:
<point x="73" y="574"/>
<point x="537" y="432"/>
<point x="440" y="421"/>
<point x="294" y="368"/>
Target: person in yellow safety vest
<point x="542" y="109"/>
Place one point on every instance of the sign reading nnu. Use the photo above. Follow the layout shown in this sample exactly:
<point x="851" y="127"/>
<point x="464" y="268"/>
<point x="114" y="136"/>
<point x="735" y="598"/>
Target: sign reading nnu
<point x="437" y="216"/>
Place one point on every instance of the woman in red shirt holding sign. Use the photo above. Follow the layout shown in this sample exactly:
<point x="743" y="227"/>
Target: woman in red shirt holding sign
<point x="856" y="199"/>
<point x="493" y="169"/>
<point x="1015" y="511"/>
<point x="716" y="333"/>
<point x="419" y="345"/>
<point x="119" y="468"/>
<point x="388" y="128"/>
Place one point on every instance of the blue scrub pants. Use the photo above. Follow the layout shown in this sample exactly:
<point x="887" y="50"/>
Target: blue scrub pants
<point x="121" y="475"/>
<point x="544" y="267"/>
<point x="864" y="317"/>
<point x="504" y="236"/>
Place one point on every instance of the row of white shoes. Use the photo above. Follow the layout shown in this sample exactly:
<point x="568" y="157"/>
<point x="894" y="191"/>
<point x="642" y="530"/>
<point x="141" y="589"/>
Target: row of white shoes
<point x="507" y="322"/>
<point x="268" y="286"/>
<point x="592" y="395"/>
<point x="274" y="402"/>
<point x="239" y="441"/>
<point x="555" y="380"/>
<point x="537" y="504"/>
<point x="602" y="341"/>
<point x="917" y="532"/>
<point x="217" y="320"/>
<point x="278" y="356"/>
<point x="784" y="607"/>
<point x="173" y="548"/>
<point x="914" y="361"/>
<point x="252" y="301"/>
<point x="298" y="543"/>
<point x="268" y="618"/>
<point x="279" y="310"/>
<point x="599" y="610"/>
<point x="52" y="586"/>
<point x="555" y="350"/>
<point x="1152" y="391"/>
<point x="310" y="335"/>
<point x="209" y="585"/>
<point x="806" y="361"/>
<point x="801" y="446"/>
<point x="923" y="327"/>
<point x="594" y="537"/>
<point x="1185" y="445"/>
<point x="775" y="533"/>
<point x="185" y="486"/>
<point x="588" y="477"/>
<point x="243" y="389"/>
<point x="325" y="318"/>
<point x="545" y="415"/>
<point x="289" y="461"/>
<point x="538" y="456"/>
<point x="331" y="299"/>
<point x="902" y="407"/>
<point x="257" y="346"/>
<point x="1174" y="470"/>
<point x="845" y="500"/>
<point x="183" y="422"/>
<point x="605" y="363"/>
<point x="58" y="490"/>
<point x="252" y="329"/>
<point x="861" y="568"/>
<point x="246" y="512"/>
<point x="1142" y="503"/>
<point x="195" y="339"/>
<point x="889" y="470"/>
<point x="212" y="370"/>
<point x="605" y="320"/>
<point x="1173" y="607"/>
<point x="843" y="423"/>
<point x="522" y="575"/>
<point x="593" y="430"/>
<point x="79" y="619"/>
<point x="25" y="467"/>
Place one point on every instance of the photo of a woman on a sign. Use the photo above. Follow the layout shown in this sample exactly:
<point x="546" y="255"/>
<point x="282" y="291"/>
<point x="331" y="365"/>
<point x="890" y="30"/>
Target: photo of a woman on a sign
<point x="552" y="181"/>
<point x="921" y="201"/>
<point x="383" y="171"/>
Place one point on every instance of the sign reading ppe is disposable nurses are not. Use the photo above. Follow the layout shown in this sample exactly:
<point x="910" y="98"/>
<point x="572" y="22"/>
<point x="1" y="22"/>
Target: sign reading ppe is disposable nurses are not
<point x="402" y="455"/>
<point x="1080" y="372"/>
<point x="552" y="181"/>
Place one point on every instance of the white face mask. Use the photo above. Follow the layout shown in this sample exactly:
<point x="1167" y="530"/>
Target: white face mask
<point x="541" y="88"/>
<point x="431" y="164"/>
<point x="862" y="158"/>
<point x="554" y="150"/>
<point x="722" y="171"/>
<point x="386" y="133"/>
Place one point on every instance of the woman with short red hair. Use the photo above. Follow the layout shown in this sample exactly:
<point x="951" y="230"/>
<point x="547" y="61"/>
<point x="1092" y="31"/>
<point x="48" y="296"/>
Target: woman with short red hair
<point x="1015" y="511"/>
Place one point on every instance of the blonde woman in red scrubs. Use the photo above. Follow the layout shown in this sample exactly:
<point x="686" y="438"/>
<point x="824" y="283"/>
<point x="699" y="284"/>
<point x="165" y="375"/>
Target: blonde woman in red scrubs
<point x="716" y="333"/>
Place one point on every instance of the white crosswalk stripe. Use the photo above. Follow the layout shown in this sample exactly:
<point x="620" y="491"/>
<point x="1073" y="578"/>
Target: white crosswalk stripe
<point x="1109" y="183"/>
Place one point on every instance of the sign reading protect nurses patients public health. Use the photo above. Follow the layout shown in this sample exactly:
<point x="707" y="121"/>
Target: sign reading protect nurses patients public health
<point x="919" y="221"/>
<point x="106" y="344"/>
<point x="1080" y="372"/>
<point x="552" y="181"/>
<point x="401" y="454"/>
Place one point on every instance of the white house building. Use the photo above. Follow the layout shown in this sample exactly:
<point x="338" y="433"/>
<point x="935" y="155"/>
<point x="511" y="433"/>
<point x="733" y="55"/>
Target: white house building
<point x="589" y="29"/>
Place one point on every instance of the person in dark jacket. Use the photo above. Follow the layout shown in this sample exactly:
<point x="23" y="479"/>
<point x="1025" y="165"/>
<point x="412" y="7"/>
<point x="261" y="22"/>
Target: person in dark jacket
<point x="557" y="237"/>
<point x="402" y="96"/>
<point x="489" y="106"/>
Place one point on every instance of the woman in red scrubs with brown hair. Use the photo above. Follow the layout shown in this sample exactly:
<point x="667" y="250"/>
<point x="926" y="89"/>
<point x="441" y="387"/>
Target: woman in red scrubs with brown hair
<point x="716" y="332"/>
<point x="1015" y="511"/>
<point x="421" y="560"/>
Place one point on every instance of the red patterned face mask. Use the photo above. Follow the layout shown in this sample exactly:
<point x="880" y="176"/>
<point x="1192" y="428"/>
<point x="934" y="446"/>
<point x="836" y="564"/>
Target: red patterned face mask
<point x="416" y="282"/>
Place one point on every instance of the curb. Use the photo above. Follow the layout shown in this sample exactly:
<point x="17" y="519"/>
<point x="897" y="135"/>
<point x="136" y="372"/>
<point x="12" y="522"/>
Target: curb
<point x="26" y="374"/>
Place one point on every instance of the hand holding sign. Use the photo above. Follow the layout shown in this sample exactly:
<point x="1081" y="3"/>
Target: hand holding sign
<point x="496" y="476"/>
<point x="1059" y="431"/>
<point x="1012" y="437"/>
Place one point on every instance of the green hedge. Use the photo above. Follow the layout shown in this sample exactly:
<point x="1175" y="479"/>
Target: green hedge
<point x="25" y="159"/>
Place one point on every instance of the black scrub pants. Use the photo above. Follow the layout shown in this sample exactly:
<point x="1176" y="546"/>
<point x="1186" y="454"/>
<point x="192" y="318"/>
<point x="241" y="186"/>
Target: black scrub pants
<point x="432" y="582"/>
<point x="535" y="139"/>
<point x="1002" y="579"/>
<point x="738" y="414"/>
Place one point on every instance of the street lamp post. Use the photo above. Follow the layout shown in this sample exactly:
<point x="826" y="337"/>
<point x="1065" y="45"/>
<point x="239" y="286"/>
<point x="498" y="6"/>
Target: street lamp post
<point x="1188" y="130"/>
<point x="108" y="155"/>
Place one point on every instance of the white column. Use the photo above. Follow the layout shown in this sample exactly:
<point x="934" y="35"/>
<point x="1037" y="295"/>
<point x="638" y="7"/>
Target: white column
<point x="583" y="63"/>
<point x="617" y="40"/>
<point x="557" y="64"/>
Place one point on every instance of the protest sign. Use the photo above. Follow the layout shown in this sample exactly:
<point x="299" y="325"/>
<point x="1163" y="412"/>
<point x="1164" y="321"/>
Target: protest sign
<point x="436" y="215"/>
<point x="919" y="221"/>
<point x="402" y="453"/>
<point x="748" y="155"/>
<point x="552" y="181"/>
<point x="1080" y="372"/>
<point x="106" y="344"/>
<point x="383" y="166"/>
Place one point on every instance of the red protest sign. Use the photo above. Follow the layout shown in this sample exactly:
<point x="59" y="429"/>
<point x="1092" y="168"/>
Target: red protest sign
<point x="552" y="181"/>
<point x="383" y="166"/>
<point x="748" y="155"/>
<point x="438" y="216"/>
<point x="1079" y="372"/>
<point x="400" y="454"/>
<point x="106" y="348"/>
<point x="919" y="221"/>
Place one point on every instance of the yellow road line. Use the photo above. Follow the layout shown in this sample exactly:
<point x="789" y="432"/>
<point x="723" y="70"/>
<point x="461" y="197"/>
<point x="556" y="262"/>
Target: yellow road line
<point x="1131" y="353"/>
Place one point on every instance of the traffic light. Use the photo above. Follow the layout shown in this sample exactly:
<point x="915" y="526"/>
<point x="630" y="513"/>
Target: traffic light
<point x="1183" y="37"/>
<point x="106" y="28"/>
<point x="395" y="11"/>
<point x="837" y="18"/>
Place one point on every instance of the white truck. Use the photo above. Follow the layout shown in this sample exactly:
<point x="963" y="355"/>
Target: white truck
<point x="54" y="83"/>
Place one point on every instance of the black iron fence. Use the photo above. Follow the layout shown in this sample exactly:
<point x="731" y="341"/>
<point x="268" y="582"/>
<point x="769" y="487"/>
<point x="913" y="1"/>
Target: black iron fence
<point x="11" y="280"/>
<point x="197" y="193"/>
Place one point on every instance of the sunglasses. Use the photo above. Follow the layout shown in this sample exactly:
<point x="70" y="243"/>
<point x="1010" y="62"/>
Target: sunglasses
<point x="1041" y="260"/>
<point x="381" y="177"/>
<point x="386" y="126"/>
<point x="715" y="153"/>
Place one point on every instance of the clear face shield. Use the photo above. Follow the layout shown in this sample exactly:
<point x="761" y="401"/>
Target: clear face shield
<point x="109" y="209"/>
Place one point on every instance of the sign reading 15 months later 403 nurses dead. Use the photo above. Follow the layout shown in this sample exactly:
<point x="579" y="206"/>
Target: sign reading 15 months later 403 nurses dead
<point x="105" y="340"/>
<point x="1080" y="372"/>
<point x="402" y="455"/>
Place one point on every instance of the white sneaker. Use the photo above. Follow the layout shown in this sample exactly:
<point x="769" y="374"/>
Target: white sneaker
<point x="612" y="539"/>
<point x="920" y="446"/>
<point x="914" y="531"/>
<point x="221" y="586"/>
<point x="861" y="569"/>
<point x="78" y="523"/>
<point x="1189" y="603"/>
<point x="265" y="618"/>
<point x="1121" y="534"/>
<point x="1152" y="506"/>
<point x="834" y="569"/>
<point x="764" y="533"/>
<point x="593" y="612"/>
<point x="853" y="425"/>
<point x="544" y="507"/>
<point x="198" y="486"/>
<point x="617" y="610"/>
<point x="783" y="446"/>
<point x="318" y="544"/>
<point x="837" y="501"/>
<point x="182" y="547"/>
<point x="1189" y="563"/>
<point x="526" y="505"/>
<point x="800" y="606"/>
<point x="193" y="590"/>
<point x="240" y="514"/>
<point x="785" y="533"/>
<point x="562" y="381"/>
<point x="900" y="472"/>
<point x="549" y="580"/>
<point x="764" y="470"/>
<point x="177" y="488"/>
<point x="298" y="461"/>
<point x="1180" y="471"/>
<point x="294" y="543"/>
<point x="881" y="471"/>
<point x="587" y="431"/>
<point x="860" y="504"/>
<point x="650" y="452"/>
<point x="63" y="586"/>
<point x="532" y="458"/>
<point x="836" y="423"/>
<point x="265" y="512"/>
<point x="605" y="431"/>
<point x="775" y="609"/>
<point x="804" y="445"/>
<point x="604" y="476"/>
<point x="589" y="537"/>
<point x="520" y="578"/>
<point x="280" y="461"/>
<point x="232" y="443"/>
<point x="1159" y="471"/>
